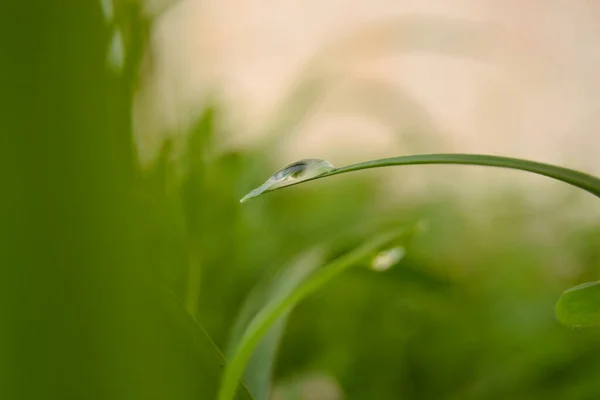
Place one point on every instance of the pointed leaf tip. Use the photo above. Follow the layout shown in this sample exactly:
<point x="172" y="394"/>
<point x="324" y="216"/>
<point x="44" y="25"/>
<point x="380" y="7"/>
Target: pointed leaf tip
<point x="580" y="305"/>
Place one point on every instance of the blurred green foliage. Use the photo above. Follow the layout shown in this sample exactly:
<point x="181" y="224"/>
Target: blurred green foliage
<point x="104" y="267"/>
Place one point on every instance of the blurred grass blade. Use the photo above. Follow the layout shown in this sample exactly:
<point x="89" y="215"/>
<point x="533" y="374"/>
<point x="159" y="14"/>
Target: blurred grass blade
<point x="578" y="179"/>
<point x="269" y="315"/>
<point x="580" y="306"/>
<point x="258" y="372"/>
<point x="206" y="349"/>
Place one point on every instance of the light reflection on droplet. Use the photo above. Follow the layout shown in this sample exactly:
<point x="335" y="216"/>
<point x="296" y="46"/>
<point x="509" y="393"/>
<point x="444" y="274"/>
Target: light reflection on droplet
<point x="387" y="258"/>
<point x="293" y="173"/>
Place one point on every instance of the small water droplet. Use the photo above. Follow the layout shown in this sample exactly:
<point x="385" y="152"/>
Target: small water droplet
<point x="385" y="259"/>
<point x="293" y="173"/>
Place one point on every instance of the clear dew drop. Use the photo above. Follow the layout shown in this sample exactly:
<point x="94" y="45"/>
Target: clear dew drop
<point x="387" y="258"/>
<point x="293" y="173"/>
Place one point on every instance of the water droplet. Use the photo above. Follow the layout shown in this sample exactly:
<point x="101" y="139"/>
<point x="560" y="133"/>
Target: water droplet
<point x="293" y="173"/>
<point x="385" y="259"/>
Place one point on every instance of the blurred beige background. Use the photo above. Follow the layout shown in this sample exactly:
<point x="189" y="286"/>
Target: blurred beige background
<point x="520" y="80"/>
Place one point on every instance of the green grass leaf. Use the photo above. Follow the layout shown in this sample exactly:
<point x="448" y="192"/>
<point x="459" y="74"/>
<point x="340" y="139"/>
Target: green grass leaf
<point x="579" y="179"/>
<point x="269" y="315"/>
<point x="580" y="305"/>
<point x="257" y="376"/>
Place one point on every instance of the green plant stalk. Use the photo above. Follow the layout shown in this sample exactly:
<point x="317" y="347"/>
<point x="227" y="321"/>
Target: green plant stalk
<point x="193" y="284"/>
<point x="261" y="323"/>
<point x="258" y="370"/>
<point x="581" y="180"/>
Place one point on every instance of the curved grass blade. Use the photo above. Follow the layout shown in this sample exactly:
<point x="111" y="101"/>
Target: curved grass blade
<point x="257" y="376"/>
<point x="580" y="306"/>
<point x="272" y="312"/>
<point x="578" y="179"/>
